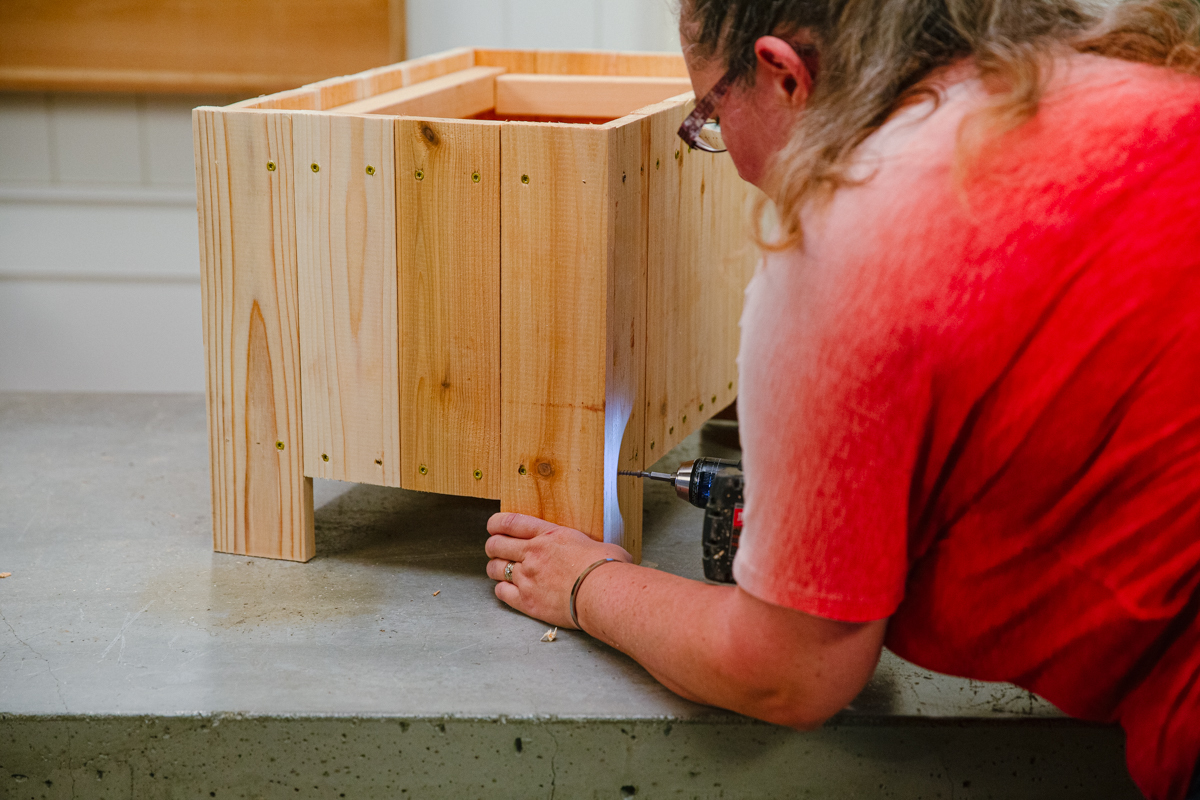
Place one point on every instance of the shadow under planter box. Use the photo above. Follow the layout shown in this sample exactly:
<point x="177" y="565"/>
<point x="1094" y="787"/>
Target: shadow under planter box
<point x="489" y="273"/>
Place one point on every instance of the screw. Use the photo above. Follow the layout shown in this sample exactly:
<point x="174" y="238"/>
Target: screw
<point x="420" y="174"/>
<point x="524" y="179"/>
<point x="316" y="167"/>
<point x="622" y="177"/>
<point x="676" y="155"/>
<point x="370" y="170"/>
<point x="475" y="177"/>
<point x="379" y="462"/>
<point x="657" y="163"/>
<point x="279" y="445"/>
<point x="672" y="430"/>
<point x="731" y="384"/>
<point x="521" y="470"/>
<point x="270" y="166"/>
<point x="478" y="475"/>
<point x="652" y="445"/>
<point x="324" y="457"/>
<point x="685" y="419"/>
<point x="424" y="470"/>
<point x="714" y="398"/>
<point x="702" y="406"/>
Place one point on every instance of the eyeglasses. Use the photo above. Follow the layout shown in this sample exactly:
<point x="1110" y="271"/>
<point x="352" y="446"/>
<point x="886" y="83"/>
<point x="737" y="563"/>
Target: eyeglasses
<point x="701" y="131"/>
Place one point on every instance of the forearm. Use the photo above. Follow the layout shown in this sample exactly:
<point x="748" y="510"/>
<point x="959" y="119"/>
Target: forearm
<point x="717" y="645"/>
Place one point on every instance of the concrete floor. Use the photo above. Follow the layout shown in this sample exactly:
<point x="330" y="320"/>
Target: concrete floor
<point x="135" y="662"/>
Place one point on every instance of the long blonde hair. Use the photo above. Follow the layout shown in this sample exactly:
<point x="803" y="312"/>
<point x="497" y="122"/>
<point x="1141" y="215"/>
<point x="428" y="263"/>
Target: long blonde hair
<point x="874" y="55"/>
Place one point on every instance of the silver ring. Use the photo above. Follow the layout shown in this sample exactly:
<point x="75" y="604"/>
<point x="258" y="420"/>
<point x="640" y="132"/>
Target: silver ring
<point x="508" y="571"/>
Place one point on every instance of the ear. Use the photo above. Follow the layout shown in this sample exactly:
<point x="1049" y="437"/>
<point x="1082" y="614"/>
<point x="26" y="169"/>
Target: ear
<point x="781" y="69"/>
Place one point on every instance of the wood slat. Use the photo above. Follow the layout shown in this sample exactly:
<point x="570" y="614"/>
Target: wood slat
<point x="700" y="260"/>
<point x="570" y="347"/>
<point x="346" y="250"/>
<point x="588" y="96"/>
<point x="583" y="62"/>
<point x="448" y="223"/>
<point x="455" y="96"/>
<point x="262" y="502"/>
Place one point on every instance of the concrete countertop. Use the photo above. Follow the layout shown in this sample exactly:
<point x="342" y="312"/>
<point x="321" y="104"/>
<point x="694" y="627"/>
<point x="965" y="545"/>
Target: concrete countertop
<point x="118" y="608"/>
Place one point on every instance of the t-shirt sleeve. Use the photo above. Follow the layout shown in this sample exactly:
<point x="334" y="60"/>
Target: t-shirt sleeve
<point x="832" y="409"/>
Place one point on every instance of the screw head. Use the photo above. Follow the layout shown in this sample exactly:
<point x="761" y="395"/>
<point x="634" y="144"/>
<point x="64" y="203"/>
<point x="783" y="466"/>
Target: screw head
<point x="419" y="174"/>
<point x="731" y="384"/>
<point x="424" y="470"/>
<point x="622" y="177"/>
<point x="316" y="167"/>
<point x="379" y="462"/>
<point x="324" y="456"/>
<point x="685" y="419"/>
<point x="714" y="398"/>
<point x="478" y="475"/>
<point x="270" y="166"/>
<point x="672" y="430"/>
<point x="524" y="179"/>
<point x="521" y="470"/>
<point x="657" y="163"/>
<point x="652" y="445"/>
<point x="279" y="445"/>
<point x="676" y="155"/>
<point x="702" y="406"/>
<point x="475" y="177"/>
<point x="370" y="170"/>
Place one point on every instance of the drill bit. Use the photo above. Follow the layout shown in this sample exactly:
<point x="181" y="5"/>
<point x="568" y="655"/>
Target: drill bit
<point x="654" y="476"/>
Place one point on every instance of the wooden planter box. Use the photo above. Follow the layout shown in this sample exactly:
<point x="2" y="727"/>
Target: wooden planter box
<point x="485" y="273"/>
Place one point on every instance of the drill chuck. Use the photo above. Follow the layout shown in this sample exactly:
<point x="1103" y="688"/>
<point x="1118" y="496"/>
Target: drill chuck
<point x="693" y="480"/>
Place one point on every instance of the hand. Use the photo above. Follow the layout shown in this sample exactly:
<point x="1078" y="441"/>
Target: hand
<point x="547" y="558"/>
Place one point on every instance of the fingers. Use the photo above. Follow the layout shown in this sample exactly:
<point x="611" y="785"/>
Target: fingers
<point x="501" y="546"/>
<point x="495" y="568"/>
<point x="508" y="593"/>
<point x="519" y="526"/>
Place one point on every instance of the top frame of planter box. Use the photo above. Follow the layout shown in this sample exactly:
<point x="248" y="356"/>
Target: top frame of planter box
<point x="517" y="85"/>
<point x="487" y="273"/>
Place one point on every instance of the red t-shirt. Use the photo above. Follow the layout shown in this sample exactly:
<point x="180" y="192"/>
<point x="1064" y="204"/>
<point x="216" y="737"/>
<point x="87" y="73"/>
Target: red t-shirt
<point x="973" y="406"/>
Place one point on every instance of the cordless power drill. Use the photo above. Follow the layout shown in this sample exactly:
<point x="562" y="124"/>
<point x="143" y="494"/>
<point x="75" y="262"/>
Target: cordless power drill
<point x="716" y="486"/>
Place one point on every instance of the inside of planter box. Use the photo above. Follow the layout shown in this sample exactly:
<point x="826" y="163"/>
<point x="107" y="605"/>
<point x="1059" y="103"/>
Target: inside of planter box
<point x="494" y="93"/>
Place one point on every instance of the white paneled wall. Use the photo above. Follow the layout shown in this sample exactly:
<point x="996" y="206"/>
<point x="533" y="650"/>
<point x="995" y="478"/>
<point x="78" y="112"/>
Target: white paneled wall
<point x="99" y="267"/>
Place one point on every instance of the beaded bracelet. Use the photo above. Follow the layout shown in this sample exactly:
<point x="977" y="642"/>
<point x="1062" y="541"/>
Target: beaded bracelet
<point x="578" y="583"/>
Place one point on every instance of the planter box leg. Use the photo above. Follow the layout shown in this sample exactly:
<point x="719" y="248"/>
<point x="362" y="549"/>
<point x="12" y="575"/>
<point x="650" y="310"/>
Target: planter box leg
<point x="262" y="501"/>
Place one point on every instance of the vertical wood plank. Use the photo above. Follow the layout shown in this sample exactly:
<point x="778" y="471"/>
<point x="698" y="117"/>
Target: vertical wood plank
<point x="448" y="224"/>
<point x="627" y="207"/>
<point x="346" y="252"/>
<point x="571" y="267"/>
<point x="262" y="502"/>
<point x="700" y="260"/>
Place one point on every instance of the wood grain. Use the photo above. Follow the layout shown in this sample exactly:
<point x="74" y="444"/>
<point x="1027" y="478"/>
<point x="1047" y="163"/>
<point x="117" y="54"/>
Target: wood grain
<point x="570" y="344"/>
<point x="700" y="260"/>
<point x="248" y="46"/>
<point x="454" y="96"/>
<point x="346" y="251"/>
<point x="584" y="62"/>
<point x="448" y="222"/>
<point x="262" y="502"/>
<point x="588" y="96"/>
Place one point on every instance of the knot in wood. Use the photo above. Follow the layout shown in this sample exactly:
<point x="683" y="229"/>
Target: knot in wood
<point x="430" y="134"/>
<point x="545" y="470"/>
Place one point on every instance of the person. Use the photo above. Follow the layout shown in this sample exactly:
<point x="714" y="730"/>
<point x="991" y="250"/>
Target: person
<point x="969" y="372"/>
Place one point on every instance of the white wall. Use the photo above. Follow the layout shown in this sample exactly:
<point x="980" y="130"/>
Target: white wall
<point x="99" y="265"/>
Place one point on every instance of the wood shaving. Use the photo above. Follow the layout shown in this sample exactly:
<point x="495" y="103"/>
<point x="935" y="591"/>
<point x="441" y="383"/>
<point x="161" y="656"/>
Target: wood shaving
<point x="550" y="636"/>
<point x="5" y="574"/>
<point x="439" y="591"/>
